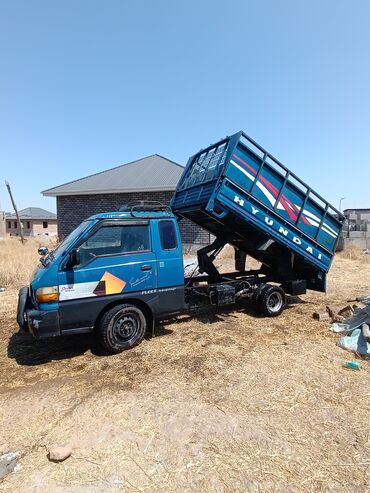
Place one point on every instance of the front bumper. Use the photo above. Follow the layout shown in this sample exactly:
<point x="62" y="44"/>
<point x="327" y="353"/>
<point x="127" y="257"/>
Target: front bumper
<point x="39" y="323"/>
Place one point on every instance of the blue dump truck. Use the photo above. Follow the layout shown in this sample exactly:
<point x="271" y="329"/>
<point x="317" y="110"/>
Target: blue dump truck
<point x="120" y="271"/>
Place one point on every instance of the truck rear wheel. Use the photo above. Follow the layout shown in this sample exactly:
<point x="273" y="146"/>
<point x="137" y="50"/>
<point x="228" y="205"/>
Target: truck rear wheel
<point x="122" y="327"/>
<point x="271" y="300"/>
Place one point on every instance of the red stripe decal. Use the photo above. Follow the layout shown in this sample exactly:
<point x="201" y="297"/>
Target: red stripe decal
<point x="285" y="202"/>
<point x="245" y="164"/>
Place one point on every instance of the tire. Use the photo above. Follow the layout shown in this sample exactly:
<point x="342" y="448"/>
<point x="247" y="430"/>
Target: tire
<point x="257" y="293"/>
<point x="271" y="301"/>
<point x="121" y="328"/>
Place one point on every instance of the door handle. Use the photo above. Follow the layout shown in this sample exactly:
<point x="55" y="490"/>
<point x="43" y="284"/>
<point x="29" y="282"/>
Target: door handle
<point x="146" y="267"/>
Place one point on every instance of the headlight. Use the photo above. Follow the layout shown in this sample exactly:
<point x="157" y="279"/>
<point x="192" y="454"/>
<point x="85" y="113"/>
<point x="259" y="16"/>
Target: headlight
<point x="47" y="295"/>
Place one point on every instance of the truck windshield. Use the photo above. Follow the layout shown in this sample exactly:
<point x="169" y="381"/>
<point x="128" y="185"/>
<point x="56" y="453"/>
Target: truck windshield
<point x="71" y="238"/>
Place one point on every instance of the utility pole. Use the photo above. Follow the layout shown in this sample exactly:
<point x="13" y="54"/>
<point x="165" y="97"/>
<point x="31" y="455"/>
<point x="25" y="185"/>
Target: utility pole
<point x="340" y="203"/>
<point x="16" y="211"/>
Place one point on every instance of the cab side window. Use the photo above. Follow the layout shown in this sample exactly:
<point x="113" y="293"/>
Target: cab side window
<point x="114" y="240"/>
<point x="167" y="233"/>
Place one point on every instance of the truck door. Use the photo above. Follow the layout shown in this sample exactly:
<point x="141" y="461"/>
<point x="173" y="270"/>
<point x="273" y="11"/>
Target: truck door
<point x="170" y="267"/>
<point x="114" y="260"/>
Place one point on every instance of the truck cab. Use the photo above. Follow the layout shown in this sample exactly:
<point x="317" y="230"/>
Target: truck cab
<point x="116" y="273"/>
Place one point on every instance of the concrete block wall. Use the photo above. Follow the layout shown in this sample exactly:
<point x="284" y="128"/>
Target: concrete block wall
<point x="2" y="226"/>
<point x="357" y="228"/>
<point x="363" y="243"/>
<point x="38" y="227"/>
<point x="357" y="234"/>
<point x="73" y="209"/>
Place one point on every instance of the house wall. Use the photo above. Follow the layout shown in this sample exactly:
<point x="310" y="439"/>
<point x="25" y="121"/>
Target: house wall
<point x="357" y="228"/>
<point x="12" y="227"/>
<point x="73" y="209"/>
<point x="36" y="227"/>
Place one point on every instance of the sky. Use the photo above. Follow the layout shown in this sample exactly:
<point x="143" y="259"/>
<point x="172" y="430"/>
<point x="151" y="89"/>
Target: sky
<point x="86" y="85"/>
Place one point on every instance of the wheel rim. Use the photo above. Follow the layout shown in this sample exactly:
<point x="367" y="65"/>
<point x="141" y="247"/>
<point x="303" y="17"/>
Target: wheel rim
<point x="125" y="327"/>
<point x="275" y="302"/>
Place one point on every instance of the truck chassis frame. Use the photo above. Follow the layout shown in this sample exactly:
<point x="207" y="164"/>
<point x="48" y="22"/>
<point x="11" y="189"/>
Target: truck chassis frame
<point x="224" y="289"/>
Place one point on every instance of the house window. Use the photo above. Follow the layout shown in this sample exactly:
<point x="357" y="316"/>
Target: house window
<point x="9" y="224"/>
<point x="28" y="225"/>
<point x="15" y="224"/>
<point x="45" y="224"/>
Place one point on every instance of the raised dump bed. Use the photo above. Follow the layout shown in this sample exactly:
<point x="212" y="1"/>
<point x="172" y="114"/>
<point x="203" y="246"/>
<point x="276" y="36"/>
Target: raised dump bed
<point x="246" y="197"/>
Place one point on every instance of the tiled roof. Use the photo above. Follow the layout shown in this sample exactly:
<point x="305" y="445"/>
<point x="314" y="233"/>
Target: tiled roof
<point x="151" y="173"/>
<point x="33" y="213"/>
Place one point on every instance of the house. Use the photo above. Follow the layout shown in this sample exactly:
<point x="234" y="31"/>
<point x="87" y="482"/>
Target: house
<point x="150" y="178"/>
<point x="357" y="227"/>
<point x="35" y="222"/>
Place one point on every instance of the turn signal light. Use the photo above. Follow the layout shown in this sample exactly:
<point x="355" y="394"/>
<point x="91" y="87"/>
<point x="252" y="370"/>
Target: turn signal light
<point x="47" y="295"/>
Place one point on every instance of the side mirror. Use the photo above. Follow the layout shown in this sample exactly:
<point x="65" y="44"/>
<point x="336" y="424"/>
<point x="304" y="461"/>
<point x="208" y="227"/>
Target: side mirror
<point x="43" y="250"/>
<point x="74" y="259"/>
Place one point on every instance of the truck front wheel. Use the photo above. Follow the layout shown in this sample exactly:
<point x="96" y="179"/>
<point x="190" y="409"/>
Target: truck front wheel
<point x="271" y="300"/>
<point x="122" y="327"/>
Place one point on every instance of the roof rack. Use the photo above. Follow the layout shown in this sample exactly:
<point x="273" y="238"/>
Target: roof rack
<point x="144" y="205"/>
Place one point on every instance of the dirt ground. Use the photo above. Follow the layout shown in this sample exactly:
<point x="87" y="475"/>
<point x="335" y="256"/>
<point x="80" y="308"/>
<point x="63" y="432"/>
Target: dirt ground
<point x="227" y="401"/>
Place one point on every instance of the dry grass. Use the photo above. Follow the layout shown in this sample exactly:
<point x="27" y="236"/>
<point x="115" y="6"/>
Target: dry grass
<point x="352" y="252"/>
<point x="225" y="261"/>
<point x="225" y="401"/>
<point x="227" y="253"/>
<point x="18" y="261"/>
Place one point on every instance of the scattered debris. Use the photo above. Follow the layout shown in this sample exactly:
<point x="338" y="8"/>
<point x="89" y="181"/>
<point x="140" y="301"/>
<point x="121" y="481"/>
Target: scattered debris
<point x="337" y="314"/>
<point x="18" y="467"/>
<point x="366" y="332"/>
<point x="346" y="312"/>
<point x="191" y="267"/>
<point x="8" y="463"/>
<point x="353" y="365"/>
<point x="365" y="299"/>
<point x="331" y="312"/>
<point x="350" y="364"/>
<point x="2" y="290"/>
<point x="59" y="453"/>
<point x="355" y="342"/>
<point x="340" y="314"/>
<point x="356" y="328"/>
<point x="321" y="316"/>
